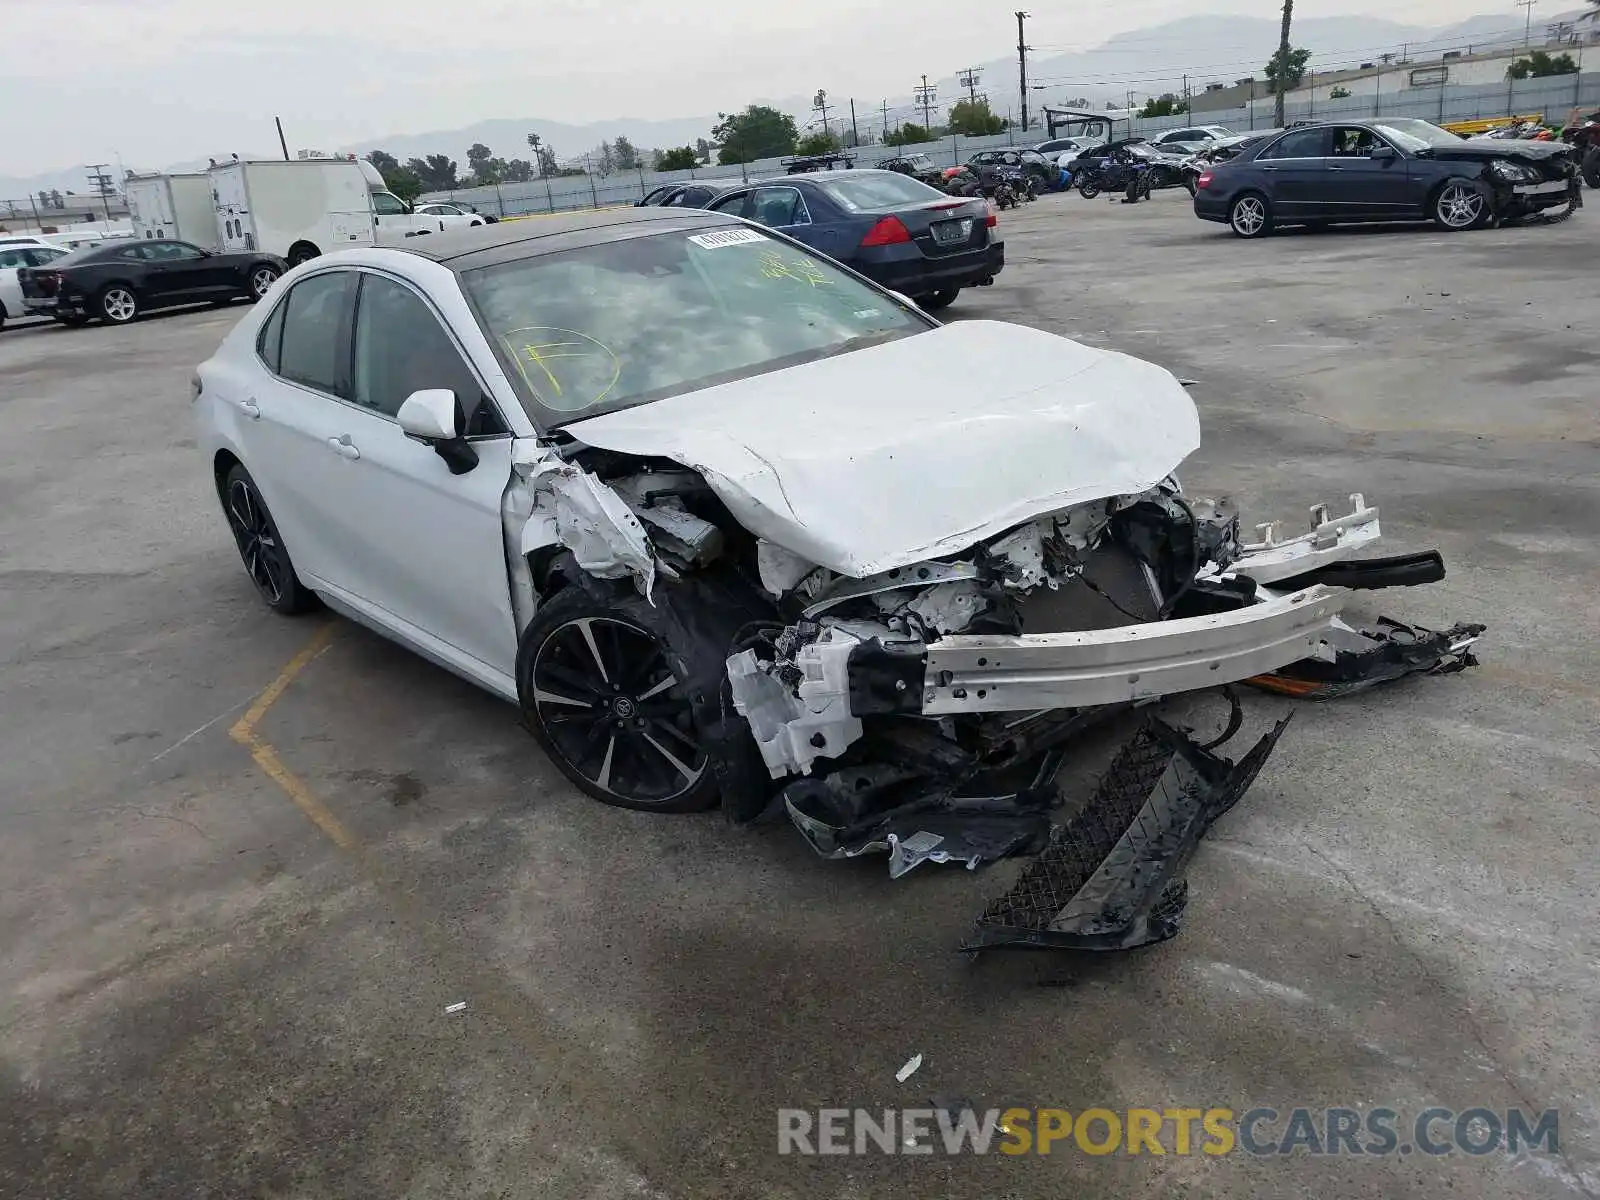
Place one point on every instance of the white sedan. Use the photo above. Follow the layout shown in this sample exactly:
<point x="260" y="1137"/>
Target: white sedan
<point x="717" y="513"/>
<point x="13" y="257"/>
<point x="449" y="216"/>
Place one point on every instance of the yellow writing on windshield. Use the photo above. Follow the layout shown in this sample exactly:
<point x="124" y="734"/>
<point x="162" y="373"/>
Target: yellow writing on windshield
<point x="801" y="270"/>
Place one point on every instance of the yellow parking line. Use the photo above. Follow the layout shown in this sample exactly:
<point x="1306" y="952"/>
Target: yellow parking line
<point x="244" y="732"/>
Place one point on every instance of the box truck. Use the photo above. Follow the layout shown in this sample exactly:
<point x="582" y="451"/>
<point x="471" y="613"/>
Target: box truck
<point x="179" y="207"/>
<point x="301" y="208"/>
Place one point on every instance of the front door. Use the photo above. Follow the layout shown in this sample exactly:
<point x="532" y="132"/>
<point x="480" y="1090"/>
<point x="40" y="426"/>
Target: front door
<point x="390" y="218"/>
<point x="1359" y="185"/>
<point x="420" y="545"/>
<point x="179" y="272"/>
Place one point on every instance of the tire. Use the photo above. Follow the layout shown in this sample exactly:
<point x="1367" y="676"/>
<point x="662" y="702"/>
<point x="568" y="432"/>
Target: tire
<point x="604" y="694"/>
<point x="73" y="320"/>
<point x="1591" y="167"/>
<point x="1249" y="216"/>
<point x="1189" y="186"/>
<point x="1089" y="189"/>
<point x="2" y="316"/>
<point x="934" y="301"/>
<point x="118" y="304"/>
<point x="1459" y="205"/>
<point x="302" y="252"/>
<point x="262" y="277"/>
<point x="265" y="557"/>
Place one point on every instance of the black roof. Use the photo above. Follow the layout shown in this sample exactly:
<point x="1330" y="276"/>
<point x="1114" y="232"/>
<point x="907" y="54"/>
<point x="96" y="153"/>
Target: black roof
<point x="499" y="242"/>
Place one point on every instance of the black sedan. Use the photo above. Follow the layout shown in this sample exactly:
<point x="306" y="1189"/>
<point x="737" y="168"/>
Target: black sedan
<point x="118" y="280"/>
<point x="694" y="194"/>
<point x="1397" y="170"/>
<point x="897" y="232"/>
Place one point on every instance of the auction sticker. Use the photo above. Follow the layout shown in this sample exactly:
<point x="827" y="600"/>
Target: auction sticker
<point x="726" y="237"/>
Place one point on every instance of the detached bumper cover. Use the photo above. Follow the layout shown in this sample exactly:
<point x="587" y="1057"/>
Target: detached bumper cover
<point x="1111" y="878"/>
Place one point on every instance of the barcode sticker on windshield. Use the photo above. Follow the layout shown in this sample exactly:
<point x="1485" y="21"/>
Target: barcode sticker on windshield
<point x="726" y="237"/>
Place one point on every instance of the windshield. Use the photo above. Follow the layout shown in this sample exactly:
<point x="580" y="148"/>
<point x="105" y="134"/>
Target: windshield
<point x="870" y="193"/>
<point x="1416" y="135"/>
<point x="623" y="323"/>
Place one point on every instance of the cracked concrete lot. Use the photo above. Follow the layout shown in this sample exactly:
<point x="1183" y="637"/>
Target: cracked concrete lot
<point x="227" y="959"/>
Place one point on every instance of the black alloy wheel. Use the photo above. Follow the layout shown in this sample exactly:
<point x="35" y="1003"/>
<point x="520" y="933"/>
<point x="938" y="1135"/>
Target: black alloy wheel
<point x="266" y="558"/>
<point x="602" y="694"/>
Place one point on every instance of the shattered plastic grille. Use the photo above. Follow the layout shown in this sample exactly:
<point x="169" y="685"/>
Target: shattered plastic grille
<point x="1077" y="849"/>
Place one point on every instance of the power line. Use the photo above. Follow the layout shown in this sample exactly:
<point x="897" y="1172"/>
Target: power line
<point x="968" y="78"/>
<point x="1022" y="67"/>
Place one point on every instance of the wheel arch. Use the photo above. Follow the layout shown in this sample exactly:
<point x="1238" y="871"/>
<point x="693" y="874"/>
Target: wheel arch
<point x="295" y="257"/>
<point x="222" y="462"/>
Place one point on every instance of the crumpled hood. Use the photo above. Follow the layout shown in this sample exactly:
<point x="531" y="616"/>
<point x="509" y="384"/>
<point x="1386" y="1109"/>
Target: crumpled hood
<point x="919" y="447"/>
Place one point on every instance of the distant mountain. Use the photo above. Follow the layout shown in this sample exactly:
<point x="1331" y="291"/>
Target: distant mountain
<point x="508" y="138"/>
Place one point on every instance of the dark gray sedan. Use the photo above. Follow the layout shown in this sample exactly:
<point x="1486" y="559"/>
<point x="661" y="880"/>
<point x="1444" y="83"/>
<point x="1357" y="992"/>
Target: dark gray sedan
<point x="1397" y="170"/>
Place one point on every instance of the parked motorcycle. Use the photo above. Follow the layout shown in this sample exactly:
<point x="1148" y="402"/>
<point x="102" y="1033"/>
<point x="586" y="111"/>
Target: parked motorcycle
<point x="1118" y="173"/>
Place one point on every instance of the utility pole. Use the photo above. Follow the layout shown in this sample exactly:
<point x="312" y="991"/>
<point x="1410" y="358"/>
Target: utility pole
<point x="885" y="122"/>
<point x="925" y="97"/>
<point x="1022" y="68"/>
<point x="855" y="134"/>
<point x="282" y="144"/>
<point x="819" y="103"/>
<point x="1527" y="33"/>
<point x="969" y="80"/>
<point x="102" y="184"/>
<point x="1282" y="73"/>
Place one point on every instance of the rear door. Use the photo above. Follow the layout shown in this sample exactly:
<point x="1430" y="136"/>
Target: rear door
<point x="1295" y="171"/>
<point x="295" y="408"/>
<point x="1359" y="185"/>
<point x="785" y="209"/>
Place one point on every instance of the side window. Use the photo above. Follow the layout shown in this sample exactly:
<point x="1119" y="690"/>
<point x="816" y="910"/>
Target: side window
<point x="133" y="254"/>
<point x="1302" y="143"/>
<point x="270" y="342"/>
<point x="777" y="207"/>
<point x="733" y="204"/>
<point x="316" y="332"/>
<point x="401" y="348"/>
<point x="12" y="258"/>
<point x="386" y="205"/>
<point x="183" y="251"/>
<point x="1354" y="142"/>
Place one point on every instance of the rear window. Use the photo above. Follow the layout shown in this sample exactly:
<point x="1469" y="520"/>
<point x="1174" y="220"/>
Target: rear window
<point x="623" y="323"/>
<point x="83" y="254"/>
<point x="870" y="193"/>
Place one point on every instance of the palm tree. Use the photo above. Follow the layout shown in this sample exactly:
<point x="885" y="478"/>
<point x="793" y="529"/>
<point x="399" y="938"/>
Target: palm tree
<point x="1283" y="60"/>
<point x="533" y="144"/>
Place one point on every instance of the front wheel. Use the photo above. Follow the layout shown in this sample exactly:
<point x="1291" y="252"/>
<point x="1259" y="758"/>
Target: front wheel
<point x="1088" y="189"/>
<point x="1249" y="216"/>
<point x="1591" y="167"/>
<point x="609" y="696"/>
<point x="1459" y="205"/>
<point x="261" y="280"/>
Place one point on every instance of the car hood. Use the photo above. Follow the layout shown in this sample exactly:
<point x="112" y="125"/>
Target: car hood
<point x="919" y="447"/>
<point x="1485" y="148"/>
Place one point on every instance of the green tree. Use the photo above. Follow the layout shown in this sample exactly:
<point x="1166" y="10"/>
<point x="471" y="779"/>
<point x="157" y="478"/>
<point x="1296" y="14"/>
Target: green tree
<point x="1540" y="64"/>
<point x="1293" y="74"/>
<point x="681" y="158"/>
<point x="817" y="143"/>
<point x="436" y="173"/>
<point x="480" y="158"/>
<point x="627" y="156"/>
<point x="605" y="160"/>
<point x="1163" y="106"/>
<point x="909" y="135"/>
<point x="757" y="132"/>
<point x="973" y="118"/>
<point x="702" y="148"/>
<point x="384" y="161"/>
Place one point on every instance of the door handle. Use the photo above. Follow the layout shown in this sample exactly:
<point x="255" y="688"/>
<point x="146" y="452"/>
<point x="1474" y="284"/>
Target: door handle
<point x="250" y="409"/>
<point x="1335" y="167"/>
<point x="342" y="446"/>
<point x="1266" y="168"/>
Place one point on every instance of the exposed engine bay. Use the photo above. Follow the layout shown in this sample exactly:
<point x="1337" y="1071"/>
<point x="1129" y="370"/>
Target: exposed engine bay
<point x="924" y="710"/>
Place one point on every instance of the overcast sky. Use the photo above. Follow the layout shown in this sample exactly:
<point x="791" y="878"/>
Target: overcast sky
<point x="159" y="81"/>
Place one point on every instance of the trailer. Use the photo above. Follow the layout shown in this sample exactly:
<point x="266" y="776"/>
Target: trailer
<point x="296" y="209"/>
<point x="179" y="207"/>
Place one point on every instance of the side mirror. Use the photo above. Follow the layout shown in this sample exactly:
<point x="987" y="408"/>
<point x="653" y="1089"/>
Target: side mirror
<point x="430" y="415"/>
<point x="1383" y="153"/>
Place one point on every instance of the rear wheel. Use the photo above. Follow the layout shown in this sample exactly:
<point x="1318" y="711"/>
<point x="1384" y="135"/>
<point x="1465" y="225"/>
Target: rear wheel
<point x="302" y="252"/>
<point x="1249" y="216"/>
<point x="266" y="558"/>
<point x="1088" y="189"/>
<point x="118" y="304"/>
<point x="1460" y="205"/>
<point x="1591" y="167"/>
<point x="937" y="300"/>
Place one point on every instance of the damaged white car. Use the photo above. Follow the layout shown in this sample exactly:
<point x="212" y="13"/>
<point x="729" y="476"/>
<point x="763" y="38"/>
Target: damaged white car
<point x="729" y="522"/>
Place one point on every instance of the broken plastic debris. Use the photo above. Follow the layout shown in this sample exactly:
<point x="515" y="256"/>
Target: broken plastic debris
<point x="456" y="1007"/>
<point x="913" y="1065"/>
